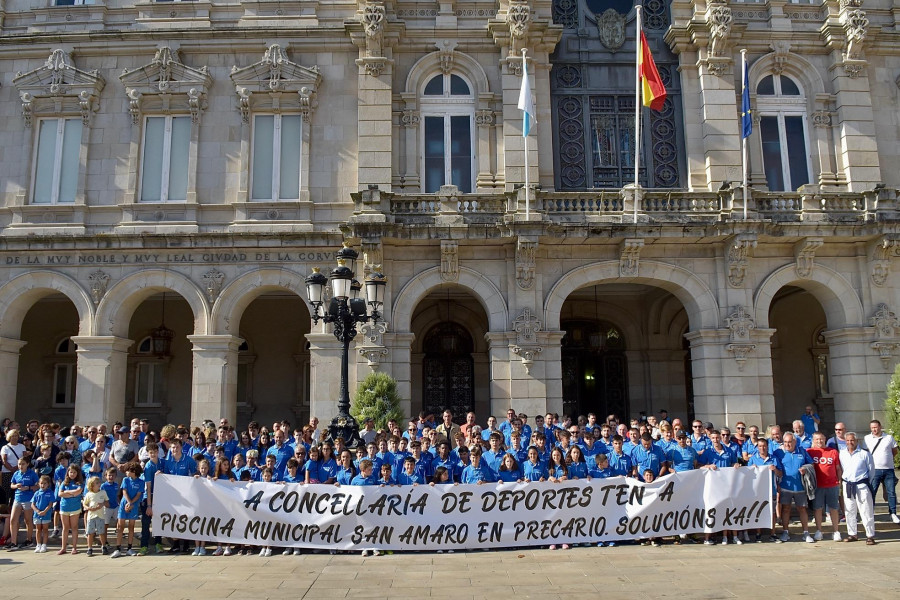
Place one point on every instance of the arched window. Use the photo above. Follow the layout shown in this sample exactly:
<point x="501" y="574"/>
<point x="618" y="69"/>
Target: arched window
<point x="149" y="376"/>
<point x="782" y="108"/>
<point x="448" y="112"/>
<point x="64" y="373"/>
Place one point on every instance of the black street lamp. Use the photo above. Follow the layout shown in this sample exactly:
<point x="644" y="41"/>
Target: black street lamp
<point x="345" y="310"/>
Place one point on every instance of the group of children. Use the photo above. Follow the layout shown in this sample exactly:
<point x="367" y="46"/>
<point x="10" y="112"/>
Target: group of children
<point x="65" y="496"/>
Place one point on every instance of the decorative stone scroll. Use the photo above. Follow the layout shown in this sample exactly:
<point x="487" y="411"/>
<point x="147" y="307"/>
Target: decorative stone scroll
<point x="447" y="55"/>
<point x="276" y="83"/>
<point x="882" y="252"/>
<point x="212" y="283"/>
<point x="449" y="260"/>
<point x="99" y="282"/>
<point x="781" y="49"/>
<point x="372" y="19"/>
<point x="804" y="253"/>
<point x="525" y="252"/>
<point x="526" y="326"/>
<point x="887" y="327"/>
<point x="719" y="21"/>
<point x="372" y="347"/>
<point x="739" y="251"/>
<point x="740" y="323"/>
<point x="58" y="87"/>
<point x="165" y="85"/>
<point x="629" y="257"/>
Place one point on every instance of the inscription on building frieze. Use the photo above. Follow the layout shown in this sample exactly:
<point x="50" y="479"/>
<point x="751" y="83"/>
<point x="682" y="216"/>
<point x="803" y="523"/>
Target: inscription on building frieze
<point x="152" y="258"/>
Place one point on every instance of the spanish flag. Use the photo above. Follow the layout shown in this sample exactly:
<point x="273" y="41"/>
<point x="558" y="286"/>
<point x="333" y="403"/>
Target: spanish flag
<point x="651" y="83"/>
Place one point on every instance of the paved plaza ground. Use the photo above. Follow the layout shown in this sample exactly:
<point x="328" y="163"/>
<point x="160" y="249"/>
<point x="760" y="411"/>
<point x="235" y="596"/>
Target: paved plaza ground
<point x="793" y="570"/>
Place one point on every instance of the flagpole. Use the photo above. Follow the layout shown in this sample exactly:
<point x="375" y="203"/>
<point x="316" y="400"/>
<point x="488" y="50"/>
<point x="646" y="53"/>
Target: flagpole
<point x="743" y="138"/>
<point x="637" y="112"/>
<point x="525" y="139"/>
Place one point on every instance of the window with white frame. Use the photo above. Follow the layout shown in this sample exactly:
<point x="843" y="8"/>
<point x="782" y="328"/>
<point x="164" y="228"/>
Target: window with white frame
<point x="448" y="112"/>
<point x="166" y="149"/>
<point x="277" y="152"/>
<point x="57" y="161"/>
<point x="149" y="377"/>
<point x="782" y="109"/>
<point x="64" y="374"/>
<point x="72" y="2"/>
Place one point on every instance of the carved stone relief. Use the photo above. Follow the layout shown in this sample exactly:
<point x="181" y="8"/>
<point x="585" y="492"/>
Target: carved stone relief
<point x="525" y="251"/>
<point x="804" y="253"/>
<point x="629" y="257"/>
<point x="449" y="260"/>
<point x="99" y="281"/>
<point x="739" y="251"/>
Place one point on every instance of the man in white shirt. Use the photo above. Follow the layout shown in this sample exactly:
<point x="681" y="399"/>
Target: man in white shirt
<point x="883" y="448"/>
<point x="858" y="468"/>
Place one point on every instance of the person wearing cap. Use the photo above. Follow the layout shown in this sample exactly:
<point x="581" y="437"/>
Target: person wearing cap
<point x="698" y="439"/>
<point x="123" y="450"/>
<point x="681" y="456"/>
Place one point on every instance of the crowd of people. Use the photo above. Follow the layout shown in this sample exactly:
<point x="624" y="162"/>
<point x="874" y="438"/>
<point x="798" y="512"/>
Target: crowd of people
<point x="54" y="477"/>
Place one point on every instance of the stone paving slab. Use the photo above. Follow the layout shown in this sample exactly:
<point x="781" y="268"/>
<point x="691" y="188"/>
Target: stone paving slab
<point x="793" y="570"/>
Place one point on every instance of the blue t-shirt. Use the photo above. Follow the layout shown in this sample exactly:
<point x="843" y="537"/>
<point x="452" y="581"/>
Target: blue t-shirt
<point x="345" y="476"/>
<point x="186" y="467"/>
<point x="360" y="480"/>
<point x="508" y="476"/>
<point x="682" y="459"/>
<point x="749" y="447"/>
<point x="809" y="423"/>
<point x="59" y="474"/>
<point x="133" y="487"/>
<point x="150" y="471"/>
<point x="88" y="473"/>
<point x="424" y="466"/>
<point x="406" y="479"/>
<point x="620" y="464"/>
<point x="473" y="474"/>
<point x="699" y="445"/>
<point x="450" y="464"/>
<point x="652" y="459"/>
<point x="282" y="455"/>
<point x="327" y="469"/>
<point x="492" y="459"/>
<point x="42" y="499"/>
<point x="757" y="461"/>
<point x="791" y="463"/>
<point x="725" y="458"/>
<point x="534" y="472"/>
<point x="112" y="492"/>
<point x="28" y="479"/>
<point x="73" y="503"/>
<point x="600" y="473"/>
<point x="578" y="469"/>
<point x="804" y="441"/>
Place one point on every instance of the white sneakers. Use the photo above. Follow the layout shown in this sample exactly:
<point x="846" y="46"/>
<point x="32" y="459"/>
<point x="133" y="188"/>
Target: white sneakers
<point x="41" y="548"/>
<point x="808" y="538"/>
<point x="265" y="552"/>
<point x="818" y="536"/>
<point x="836" y="536"/>
<point x="785" y="537"/>
<point x="895" y="518"/>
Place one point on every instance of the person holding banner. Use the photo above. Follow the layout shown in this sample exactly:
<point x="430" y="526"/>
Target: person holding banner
<point x="478" y="471"/>
<point x="719" y="456"/>
<point x="509" y="471"/>
<point x="762" y="458"/>
<point x="648" y="456"/>
<point x="534" y="468"/>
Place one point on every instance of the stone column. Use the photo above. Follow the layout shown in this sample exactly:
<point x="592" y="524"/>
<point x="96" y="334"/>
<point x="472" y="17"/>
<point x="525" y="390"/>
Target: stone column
<point x="732" y="381"/>
<point x="324" y="375"/>
<point x="100" y="382"/>
<point x="9" y="375"/>
<point x="399" y="365"/>
<point x="858" y="379"/>
<point x="214" y="377"/>
<point x="719" y="124"/>
<point x="551" y="359"/>
<point x="501" y="372"/>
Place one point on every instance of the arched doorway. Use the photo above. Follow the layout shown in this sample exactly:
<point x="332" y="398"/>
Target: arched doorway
<point x="273" y="361"/>
<point x="450" y="367"/>
<point x="47" y="362"/>
<point x="595" y="369"/>
<point x="800" y="358"/>
<point x="448" y="370"/>
<point x="158" y="379"/>
<point x="624" y="352"/>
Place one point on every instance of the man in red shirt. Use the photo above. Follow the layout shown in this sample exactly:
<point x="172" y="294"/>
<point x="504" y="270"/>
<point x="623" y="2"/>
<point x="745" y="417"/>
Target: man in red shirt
<point x="827" y="464"/>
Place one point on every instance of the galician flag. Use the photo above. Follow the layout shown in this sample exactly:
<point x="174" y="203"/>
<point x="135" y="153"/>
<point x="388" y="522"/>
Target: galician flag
<point x="526" y="101"/>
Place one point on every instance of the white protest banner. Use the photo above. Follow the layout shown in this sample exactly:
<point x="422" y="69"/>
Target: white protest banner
<point x="458" y="517"/>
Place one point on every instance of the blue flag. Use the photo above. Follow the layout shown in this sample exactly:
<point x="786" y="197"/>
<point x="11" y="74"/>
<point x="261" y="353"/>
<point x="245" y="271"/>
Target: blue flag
<point x="526" y="102"/>
<point x="746" y="113"/>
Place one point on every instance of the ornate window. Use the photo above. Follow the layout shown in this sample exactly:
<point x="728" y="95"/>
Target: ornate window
<point x="782" y="109"/>
<point x="166" y="99"/>
<point x="62" y="99"/>
<point x="448" y="112"/>
<point x="64" y="371"/>
<point x="276" y="98"/>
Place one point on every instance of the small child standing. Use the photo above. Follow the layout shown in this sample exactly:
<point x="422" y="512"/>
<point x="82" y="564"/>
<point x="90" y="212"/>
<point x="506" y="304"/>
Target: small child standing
<point x="268" y="475"/>
<point x="62" y="465"/>
<point x="202" y="473"/>
<point x="111" y="487"/>
<point x="42" y="503"/>
<point x="70" y="492"/>
<point x="129" y="508"/>
<point x="95" y="503"/>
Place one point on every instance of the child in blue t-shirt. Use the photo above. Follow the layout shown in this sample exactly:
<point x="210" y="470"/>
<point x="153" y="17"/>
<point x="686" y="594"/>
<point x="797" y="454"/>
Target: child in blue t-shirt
<point x="62" y="465"/>
<point x="42" y="503"/>
<point x="409" y="476"/>
<point x="509" y="471"/>
<point x="70" y="491"/>
<point x="129" y="508"/>
<point x="365" y="473"/>
<point x="24" y="482"/>
<point x="111" y="487"/>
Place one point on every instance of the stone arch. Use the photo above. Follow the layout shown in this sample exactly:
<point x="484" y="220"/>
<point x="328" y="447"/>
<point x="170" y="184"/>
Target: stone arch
<point x="840" y="301"/>
<point x="119" y="303"/>
<point x="612" y="314"/>
<point x="237" y="295"/>
<point x="694" y="294"/>
<point x="19" y="294"/>
<point x="794" y="66"/>
<point x="462" y="63"/>
<point x="478" y="285"/>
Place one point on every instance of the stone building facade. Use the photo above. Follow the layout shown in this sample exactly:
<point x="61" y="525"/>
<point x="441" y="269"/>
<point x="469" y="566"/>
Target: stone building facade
<point x="186" y="165"/>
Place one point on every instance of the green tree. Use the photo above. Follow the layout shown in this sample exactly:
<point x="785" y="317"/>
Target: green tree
<point x="377" y="398"/>
<point x="892" y="409"/>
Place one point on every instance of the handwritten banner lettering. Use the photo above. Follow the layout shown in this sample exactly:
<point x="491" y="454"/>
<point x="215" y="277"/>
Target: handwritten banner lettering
<point x="460" y="517"/>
